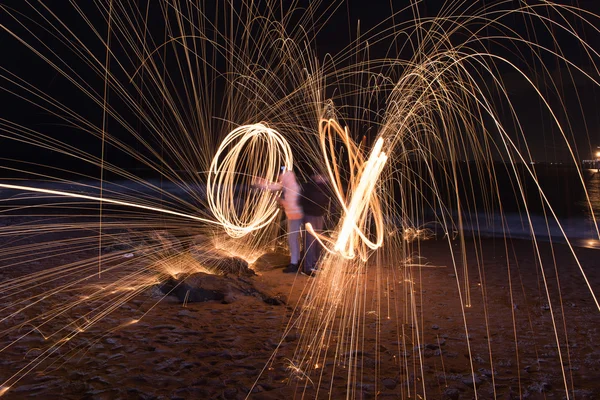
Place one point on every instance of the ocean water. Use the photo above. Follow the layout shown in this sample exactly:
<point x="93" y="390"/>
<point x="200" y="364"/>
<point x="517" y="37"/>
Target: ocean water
<point x="507" y="208"/>
<point x="554" y="207"/>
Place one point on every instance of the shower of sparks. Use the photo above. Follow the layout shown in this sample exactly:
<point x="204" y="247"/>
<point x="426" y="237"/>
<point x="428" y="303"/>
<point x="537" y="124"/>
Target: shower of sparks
<point x="209" y="105"/>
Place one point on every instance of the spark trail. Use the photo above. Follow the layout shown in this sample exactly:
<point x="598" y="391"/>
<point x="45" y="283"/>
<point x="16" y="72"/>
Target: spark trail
<point x="164" y="113"/>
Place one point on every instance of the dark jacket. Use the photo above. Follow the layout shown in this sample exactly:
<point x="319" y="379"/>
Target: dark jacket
<point x="314" y="199"/>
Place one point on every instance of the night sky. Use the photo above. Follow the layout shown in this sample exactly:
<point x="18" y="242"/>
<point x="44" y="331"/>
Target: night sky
<point x="341" y="28"/>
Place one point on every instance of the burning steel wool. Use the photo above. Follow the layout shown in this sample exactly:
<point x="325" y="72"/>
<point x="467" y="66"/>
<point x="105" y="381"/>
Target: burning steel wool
<point x="458" y="254"/>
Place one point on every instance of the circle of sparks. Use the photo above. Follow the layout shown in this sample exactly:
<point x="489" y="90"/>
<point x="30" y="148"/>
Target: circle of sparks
<point x="247" y="152"/>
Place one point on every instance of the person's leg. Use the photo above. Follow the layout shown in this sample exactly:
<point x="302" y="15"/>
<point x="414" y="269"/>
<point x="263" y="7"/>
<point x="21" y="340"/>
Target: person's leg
<point x="312" y="248"/>
<point x="294" y="226"/>
<point x="309" y="245"/>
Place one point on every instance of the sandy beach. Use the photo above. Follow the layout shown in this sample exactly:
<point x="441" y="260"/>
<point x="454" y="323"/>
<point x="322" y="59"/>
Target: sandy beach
<point x="236" y="349"/>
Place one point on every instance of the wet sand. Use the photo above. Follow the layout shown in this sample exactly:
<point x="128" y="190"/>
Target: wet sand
<point x="236" y="350"/>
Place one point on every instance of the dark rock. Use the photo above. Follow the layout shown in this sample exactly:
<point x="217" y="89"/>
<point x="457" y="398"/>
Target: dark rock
<point x="199" y="287"/>
<point x="218" y="264"/>
<point x="195" y="287"/>
<point x="191" y="292"/>
<point x="232" y="265"/>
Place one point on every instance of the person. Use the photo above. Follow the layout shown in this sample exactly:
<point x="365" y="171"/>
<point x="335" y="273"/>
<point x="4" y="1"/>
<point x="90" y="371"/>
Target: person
<point x="289" y="201"/>
<point x="315" y="203"/>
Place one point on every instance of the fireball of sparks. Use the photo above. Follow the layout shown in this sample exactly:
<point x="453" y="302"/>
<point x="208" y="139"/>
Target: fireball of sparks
<point x="212" y="104"/>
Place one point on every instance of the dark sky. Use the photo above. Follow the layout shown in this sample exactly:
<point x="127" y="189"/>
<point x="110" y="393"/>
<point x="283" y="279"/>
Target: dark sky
<point x="334" y="36"/>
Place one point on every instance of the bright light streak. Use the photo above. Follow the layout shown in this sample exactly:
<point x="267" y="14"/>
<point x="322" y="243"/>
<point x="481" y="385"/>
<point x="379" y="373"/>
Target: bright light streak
<point x="355" y="216"/>
<point x="247" y="153"/>
<point x="103" y="200"/>
<point x="360" y="203"/>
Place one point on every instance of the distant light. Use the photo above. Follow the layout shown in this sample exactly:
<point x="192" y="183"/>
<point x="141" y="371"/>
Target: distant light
<point x="598" y="154"/>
